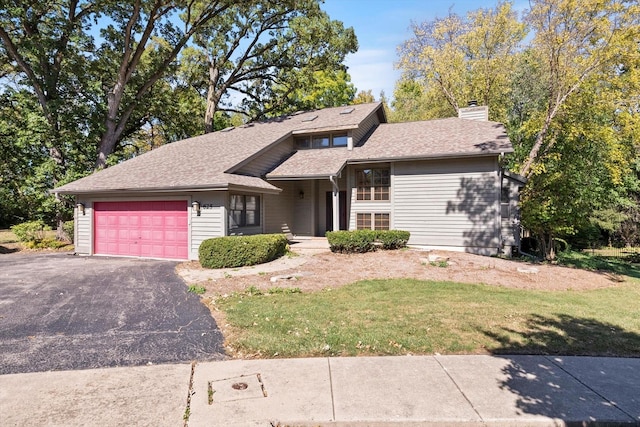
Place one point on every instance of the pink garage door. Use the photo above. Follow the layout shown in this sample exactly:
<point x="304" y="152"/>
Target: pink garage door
<point x="141" y="229"/>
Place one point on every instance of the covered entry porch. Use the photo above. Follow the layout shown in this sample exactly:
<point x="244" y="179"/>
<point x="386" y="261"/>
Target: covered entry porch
<point x="308" y="207"/>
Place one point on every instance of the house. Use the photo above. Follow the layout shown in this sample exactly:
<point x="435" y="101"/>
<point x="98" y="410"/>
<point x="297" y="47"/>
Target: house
<point x="303" y="174"/>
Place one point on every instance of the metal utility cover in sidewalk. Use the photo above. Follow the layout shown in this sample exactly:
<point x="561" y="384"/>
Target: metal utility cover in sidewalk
<point x="237" y="388"/>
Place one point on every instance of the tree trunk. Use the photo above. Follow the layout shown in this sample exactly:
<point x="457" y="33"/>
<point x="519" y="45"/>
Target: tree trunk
<point x="107" y="144"/>
<point x="212" y="99"/>
<point x="547" y="246"/>
<point x="533" y="154"/>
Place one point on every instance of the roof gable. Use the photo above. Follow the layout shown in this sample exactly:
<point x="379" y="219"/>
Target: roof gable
<point x="208" y="161"/>
<point x="442" y="138"/>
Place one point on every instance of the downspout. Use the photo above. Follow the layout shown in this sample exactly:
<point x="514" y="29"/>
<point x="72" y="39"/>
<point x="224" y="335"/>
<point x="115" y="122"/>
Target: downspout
<point x="336" y="201"/>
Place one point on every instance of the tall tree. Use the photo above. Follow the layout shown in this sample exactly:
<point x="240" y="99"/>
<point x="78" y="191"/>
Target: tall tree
<point x="364" y="97"/>
<point x="49" y="47"/>
<point x="574" y="39"/>
<point x="465" y="58"/>
<point x="254" y="57"/>
<point x="319" y="89"/>
<point x="104" y="74"/>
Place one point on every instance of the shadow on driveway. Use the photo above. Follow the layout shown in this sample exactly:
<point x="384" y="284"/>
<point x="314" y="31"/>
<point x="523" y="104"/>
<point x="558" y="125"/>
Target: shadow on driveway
<point x="59" y="312"/>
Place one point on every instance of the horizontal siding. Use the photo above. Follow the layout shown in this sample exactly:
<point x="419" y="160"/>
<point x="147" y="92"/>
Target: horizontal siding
<point x="268" y="160"/>
<point x="82" y="230"/>
<point x="364" y="128"/>
<point x="303" y="215"/>
<point x="447" y="203"/>
<point x="278" y="210"/>
<point x="210" y="223"/>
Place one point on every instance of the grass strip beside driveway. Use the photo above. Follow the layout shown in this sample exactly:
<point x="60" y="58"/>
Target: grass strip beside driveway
<point x="403" y="316"/>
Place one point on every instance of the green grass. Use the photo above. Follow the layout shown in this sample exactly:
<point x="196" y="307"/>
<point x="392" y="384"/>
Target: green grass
<point x="588" y="261"/>
<point x="392" y="317"/>
<point x="197" y="289"/>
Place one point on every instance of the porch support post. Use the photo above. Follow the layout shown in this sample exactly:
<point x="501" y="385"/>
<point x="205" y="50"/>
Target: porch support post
<point x="336" y="201"/>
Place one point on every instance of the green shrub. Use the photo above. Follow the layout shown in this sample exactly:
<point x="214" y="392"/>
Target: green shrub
<point x="239" y="251"/>
<point x="68" y="227"/>
<point x="46" y="243"/>
<point x="31" y="232"/>
<point x="392" y="239"/>
<point x="361" y="241"/>
<point x="355" y="241"/>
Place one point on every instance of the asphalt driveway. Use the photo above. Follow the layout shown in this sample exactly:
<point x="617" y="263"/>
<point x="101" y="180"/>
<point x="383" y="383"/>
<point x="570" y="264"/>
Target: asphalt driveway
<point x="60" y="311"/>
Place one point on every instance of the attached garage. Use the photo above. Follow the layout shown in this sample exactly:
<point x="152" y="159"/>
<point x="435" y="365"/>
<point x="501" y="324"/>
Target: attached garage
<point x="150" y="229"/>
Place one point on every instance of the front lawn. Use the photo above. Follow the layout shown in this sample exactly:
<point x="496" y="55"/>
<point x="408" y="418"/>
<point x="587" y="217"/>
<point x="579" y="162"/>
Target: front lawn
<point x="602" y="261"/>
<point x="403" y="316"/>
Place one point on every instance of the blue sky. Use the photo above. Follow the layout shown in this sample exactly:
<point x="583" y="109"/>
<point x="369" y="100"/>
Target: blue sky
<point x="382" y="25"/>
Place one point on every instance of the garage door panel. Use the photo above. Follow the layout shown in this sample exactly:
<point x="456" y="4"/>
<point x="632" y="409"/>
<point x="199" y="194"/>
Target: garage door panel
<point x="149" y="229"/>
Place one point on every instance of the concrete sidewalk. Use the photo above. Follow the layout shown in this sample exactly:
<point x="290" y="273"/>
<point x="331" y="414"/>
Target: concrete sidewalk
<point x="364" y="391"/>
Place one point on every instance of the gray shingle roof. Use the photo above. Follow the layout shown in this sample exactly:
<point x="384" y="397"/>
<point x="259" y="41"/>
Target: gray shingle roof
<point x="208" y="161"/>
<point x="205" y="161"/>
<point x="452" y="137"/>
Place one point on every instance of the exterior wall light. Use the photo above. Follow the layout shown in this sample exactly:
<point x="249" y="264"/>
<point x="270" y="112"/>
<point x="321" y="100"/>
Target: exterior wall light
<point x="81" y="208"/>
<point x="301" y="194"/>
<point x="196" y="207"/>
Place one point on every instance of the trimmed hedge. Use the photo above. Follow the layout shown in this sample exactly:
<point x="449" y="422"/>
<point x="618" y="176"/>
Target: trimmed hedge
<point x="393" y="239"/>
<point x="239" y="251"/>
<point x="356" y="241"/>
<point x="361" y="241"/>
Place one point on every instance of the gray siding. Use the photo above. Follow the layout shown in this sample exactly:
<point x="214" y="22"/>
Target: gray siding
<point x="364" y="127"/>
<point x="82" y="229"/>
<point x="303" y="209"/>
<point x="210" y="223"/>
<point x="267" y="160"/>
<point x="278" y="210"/>
<point x="449" y="203"/>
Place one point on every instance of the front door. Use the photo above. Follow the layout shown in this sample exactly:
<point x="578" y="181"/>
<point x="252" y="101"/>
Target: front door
<point x="342" y="202"/>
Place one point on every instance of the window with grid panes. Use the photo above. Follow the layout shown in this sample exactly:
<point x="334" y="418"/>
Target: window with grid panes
<point x="373" y="184"/>
<point x="381" y="221"/>
<point x="372" y="221"/>
<point x="363" y="221"/>
<point x="244" y="210"/>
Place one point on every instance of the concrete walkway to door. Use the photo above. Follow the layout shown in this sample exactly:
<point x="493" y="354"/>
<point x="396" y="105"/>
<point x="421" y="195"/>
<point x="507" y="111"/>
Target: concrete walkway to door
<point x="309" y="245"/>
